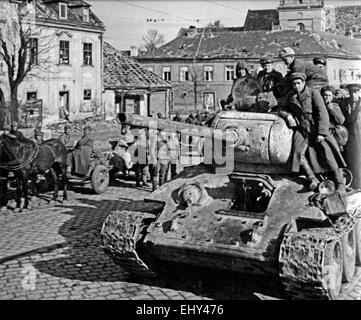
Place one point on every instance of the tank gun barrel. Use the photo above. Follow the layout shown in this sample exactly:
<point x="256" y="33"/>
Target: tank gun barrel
<point x="139" y="121"/>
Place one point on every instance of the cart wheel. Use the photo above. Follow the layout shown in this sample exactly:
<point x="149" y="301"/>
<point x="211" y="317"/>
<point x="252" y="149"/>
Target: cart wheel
<point x="100" y="179"/>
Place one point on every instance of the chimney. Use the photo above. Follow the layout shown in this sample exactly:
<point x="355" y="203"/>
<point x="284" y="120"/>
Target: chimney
<point x="133" y="51"/>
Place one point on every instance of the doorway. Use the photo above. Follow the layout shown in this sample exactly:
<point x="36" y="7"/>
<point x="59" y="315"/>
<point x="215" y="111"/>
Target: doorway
<point x="64" y="105"/>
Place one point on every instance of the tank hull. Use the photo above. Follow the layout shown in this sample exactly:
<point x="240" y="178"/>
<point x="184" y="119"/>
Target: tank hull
<point x="217" y="235"/>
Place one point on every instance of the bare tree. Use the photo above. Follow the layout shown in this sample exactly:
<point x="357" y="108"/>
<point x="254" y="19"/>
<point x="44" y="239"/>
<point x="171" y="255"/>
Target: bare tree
<point x="22" y="45"/>
<point x="215" y="24"/>
<point x="193" y="81"/>
<point x="152" y="40"/>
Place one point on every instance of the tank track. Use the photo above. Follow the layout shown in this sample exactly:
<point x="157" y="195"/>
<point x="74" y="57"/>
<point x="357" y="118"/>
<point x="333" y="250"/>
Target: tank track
<point x="119" y="235"/>
<point x="302" y="255"/>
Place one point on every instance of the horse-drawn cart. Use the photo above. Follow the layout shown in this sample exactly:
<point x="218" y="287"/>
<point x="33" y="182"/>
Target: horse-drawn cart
<point x="98" y="172"/>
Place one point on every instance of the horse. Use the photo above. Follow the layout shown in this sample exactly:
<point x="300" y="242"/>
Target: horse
<point x="26" y="159"/>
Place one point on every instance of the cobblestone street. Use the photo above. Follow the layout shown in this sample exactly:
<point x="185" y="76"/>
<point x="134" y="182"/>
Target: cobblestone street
<point x="60" y="245"/>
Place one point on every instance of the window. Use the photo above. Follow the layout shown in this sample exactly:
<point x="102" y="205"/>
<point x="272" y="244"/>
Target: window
<point x="33" y="50"/>
<point x="87" y="54"/>
<point x="208" y="73"/>
<point x="229" y="73"/>
<point x="85" y="14"/>
<point x="31" y="95"/>
<point x="64" y="52"/>
<point x="87" y="94"/>
<point x="1" y="67"/>
<point x="166" y="73"/>
<point x="63" y="11"/>
<point x="183" y="74"/>
<point x="208" y="100"/>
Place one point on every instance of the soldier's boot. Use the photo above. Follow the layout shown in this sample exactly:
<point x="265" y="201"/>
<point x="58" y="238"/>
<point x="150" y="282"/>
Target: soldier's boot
<point x="339" y="181"/>
<point x="314" y="182"/>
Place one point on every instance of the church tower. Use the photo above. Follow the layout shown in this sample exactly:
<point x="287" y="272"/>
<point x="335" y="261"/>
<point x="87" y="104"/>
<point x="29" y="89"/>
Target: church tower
<point x="302" y="15"/>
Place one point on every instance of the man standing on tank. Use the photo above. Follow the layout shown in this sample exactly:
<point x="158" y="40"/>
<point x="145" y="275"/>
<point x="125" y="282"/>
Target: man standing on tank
<point x="315" y="150"/>
<point x="316" y="77"/>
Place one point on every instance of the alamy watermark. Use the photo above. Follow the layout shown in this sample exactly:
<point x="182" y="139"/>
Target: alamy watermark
<point x="216" y="146"/>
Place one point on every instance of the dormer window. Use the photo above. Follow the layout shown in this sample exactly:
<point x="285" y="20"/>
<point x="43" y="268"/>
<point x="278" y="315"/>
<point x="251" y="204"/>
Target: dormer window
<point x="85" y="14"/>
<point x="63" y="11"/>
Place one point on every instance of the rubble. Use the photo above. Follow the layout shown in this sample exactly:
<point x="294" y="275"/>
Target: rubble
<point x="96" y="123"/>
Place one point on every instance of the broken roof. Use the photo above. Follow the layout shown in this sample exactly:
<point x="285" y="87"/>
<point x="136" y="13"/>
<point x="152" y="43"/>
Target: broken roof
<point x="123" y="72"/>
<point x="48" y="11"/>
<point x="256" y="44"/>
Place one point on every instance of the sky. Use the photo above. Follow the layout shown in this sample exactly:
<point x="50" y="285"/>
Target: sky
<point x="127" y="21"/>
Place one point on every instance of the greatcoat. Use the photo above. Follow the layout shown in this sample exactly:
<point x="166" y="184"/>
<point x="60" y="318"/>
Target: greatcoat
<point x="312" y="120"/>
<point x="353" y="146"/>
<point x="81" y="155"/>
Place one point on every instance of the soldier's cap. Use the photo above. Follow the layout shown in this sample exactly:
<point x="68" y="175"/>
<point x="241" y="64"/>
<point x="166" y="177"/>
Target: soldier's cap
<point x="328" y="88"/>
<point x="288" y="51"/>
<point x="14" y="124"/>
<point x="67" y="126"/>
<point x="87" y="128"/>
<point x="353" y="87"/>
<point x="319" y="61"/>
<point x="298" y="75"/>
<point x="265" y="60"/>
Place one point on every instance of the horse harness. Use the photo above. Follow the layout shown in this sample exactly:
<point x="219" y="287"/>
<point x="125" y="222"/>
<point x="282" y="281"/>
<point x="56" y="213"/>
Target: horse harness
<point x="20" y="166"/>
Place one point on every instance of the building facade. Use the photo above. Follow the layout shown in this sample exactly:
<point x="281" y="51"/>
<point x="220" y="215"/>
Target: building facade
<point x="302" y="15"/>
<point x="200" y="63"/>
<point x="66" y="51"/>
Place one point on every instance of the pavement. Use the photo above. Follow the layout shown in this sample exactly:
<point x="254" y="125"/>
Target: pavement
<point x="52" y="251"/>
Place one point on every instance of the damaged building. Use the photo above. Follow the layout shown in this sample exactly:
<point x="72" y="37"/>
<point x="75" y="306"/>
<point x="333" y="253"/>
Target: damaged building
<point x="129" y="87"/>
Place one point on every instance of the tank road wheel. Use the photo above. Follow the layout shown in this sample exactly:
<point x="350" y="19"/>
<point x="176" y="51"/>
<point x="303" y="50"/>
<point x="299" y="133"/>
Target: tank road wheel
<point x="348" y="242"/>
<point x="333" y="268"/>
<point x="358" y="242"/>
<point x="100" y="179"/>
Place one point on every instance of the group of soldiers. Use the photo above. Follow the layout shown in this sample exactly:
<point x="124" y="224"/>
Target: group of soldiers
<point x="149" y="153"/>
<point x="323" y="118"/>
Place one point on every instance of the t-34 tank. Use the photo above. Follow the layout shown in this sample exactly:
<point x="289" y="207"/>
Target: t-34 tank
<point x="249" y="214"/>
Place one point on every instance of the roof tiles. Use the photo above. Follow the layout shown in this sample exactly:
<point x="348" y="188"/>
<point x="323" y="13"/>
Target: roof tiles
<point x="123" y="72"/>
<point x="255" y="44"/>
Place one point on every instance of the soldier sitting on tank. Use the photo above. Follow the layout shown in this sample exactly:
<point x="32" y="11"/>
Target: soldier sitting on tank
<point x="336" y="117"/>
<point x="241" y="71"/>
<point x="315" y="150"/>
<point x="269" y="78"/>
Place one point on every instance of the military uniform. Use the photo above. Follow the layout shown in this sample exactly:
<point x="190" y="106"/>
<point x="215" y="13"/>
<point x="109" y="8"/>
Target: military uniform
<point x="312" y="119"/>
<point x="352" y="114"/>
<point x="270" y="81"/>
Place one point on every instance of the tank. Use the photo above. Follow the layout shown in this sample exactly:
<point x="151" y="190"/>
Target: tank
<point x="248" y="213"/>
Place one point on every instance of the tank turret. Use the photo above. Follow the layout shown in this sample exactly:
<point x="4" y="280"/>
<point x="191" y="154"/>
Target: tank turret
<point x="259" y="141"/>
